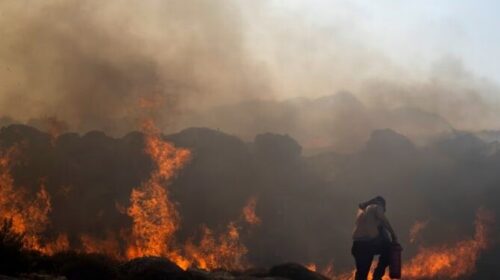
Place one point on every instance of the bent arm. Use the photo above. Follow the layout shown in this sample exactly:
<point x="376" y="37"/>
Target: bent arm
<point x="386" y="224"/>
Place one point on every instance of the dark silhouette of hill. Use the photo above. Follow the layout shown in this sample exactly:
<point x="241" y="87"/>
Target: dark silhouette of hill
<point x="339" y="122"/>
<point x="306" y="203"/>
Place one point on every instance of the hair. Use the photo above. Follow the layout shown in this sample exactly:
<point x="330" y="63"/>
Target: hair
<point x="376" y="200"/>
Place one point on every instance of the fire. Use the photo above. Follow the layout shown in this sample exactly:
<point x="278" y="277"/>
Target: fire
<point x="109" y="245"/>
<point x="249" y="212"/>
<point x="326" y="271"/>
<point x="451" y="261"/>
<point x="29" y="215"/>
<point x="156" y="219"/>
<point x="225" y="251"/>
<point x="311" y="267"/>
<point x="416" y="229"/>
<point x="447" y="261"/>
<point x="154" y="215"/>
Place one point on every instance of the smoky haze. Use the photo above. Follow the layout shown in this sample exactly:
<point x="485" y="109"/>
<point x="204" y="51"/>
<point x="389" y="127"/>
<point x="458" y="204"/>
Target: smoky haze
<point x="90" y="64"/>
<point x="245" y="68"/>
<point x="306" y="204"/>
<point x="301" y="116"/>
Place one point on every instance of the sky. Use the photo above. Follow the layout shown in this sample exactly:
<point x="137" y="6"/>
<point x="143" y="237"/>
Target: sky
<point x="415" y="32"/>
<point x="88" y="62"/>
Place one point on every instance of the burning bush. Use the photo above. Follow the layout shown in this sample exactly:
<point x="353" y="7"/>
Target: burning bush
<point x="12" y="258"/>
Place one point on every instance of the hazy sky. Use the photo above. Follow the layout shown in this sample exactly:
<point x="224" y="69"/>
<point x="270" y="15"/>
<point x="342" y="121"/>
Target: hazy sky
<point x="88" y="62"/>
<point x="415" y="33"/>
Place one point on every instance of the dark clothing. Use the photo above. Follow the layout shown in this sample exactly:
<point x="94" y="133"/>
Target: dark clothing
<point x="364" y="251"/>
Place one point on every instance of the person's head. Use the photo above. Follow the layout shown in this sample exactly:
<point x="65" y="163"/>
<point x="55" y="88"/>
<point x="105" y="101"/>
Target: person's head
<point x="379" y="200"/>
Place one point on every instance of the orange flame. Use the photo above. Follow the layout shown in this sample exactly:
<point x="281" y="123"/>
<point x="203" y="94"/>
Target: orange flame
<point x="311" y="266"/>
<point x="109" y="245"/>
<point x="155" y="217"/>
<point x="452" y="261"/>
<point x="224" y="251"/>
<point x="446" y="262"/>
<point x="249" y="212"/>
<point x="326" y="271"/>
<point x="416" y="229"/>
<point x="29" y="216"/>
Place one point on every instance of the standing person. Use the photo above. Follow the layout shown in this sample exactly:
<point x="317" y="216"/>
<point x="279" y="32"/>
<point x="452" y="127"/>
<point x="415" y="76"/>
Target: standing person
<point x="370" y="238"/>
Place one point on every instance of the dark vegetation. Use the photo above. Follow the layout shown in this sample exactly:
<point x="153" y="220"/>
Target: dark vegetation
<point x="306" y="203"/>
<point x="21" y="264"/>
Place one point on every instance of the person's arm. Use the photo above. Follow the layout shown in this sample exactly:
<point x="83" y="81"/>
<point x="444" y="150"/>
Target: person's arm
<point x="385" y="223"/>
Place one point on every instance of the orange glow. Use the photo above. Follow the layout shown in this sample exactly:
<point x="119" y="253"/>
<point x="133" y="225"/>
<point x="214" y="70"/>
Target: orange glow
<point x="156" y="220"/>
<point x="416" y="229"/>
<point x="451" y="261"/>
<point x="109" y="245"/>
<point x="249" y="212"/>
<point x="155" y="217"/>
<point x="61" y="243"/>
<point x="311" y="266"/>
<point x="447" y="261"/>
<point x="328" y="271"/>
<point x="225" y="251"/>
<point x="29" y="215"/>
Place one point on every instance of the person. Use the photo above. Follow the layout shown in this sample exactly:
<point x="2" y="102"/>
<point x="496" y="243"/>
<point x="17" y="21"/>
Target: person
<point x="371" y="237"/>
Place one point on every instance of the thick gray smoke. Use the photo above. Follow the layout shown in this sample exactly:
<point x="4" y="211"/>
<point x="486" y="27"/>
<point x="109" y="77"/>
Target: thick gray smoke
<point x="243" y="67"/>
<point x="301" y="116"/>
<point x="91" y="63"/>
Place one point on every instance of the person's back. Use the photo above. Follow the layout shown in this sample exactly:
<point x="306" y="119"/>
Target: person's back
<point x="367" y="223"/>
<point x="370" y="238"/>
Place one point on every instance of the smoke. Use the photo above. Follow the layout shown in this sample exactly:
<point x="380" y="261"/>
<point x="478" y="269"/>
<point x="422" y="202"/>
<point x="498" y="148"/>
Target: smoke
<point x="244" y="68"/>
<point x="233" y="65"/>
<point x="89" y="64"/>
<point x="305" y="204"/>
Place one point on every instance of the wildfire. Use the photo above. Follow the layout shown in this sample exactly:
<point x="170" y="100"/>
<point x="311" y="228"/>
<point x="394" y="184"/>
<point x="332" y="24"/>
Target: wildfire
<point x="416" y="229"/>
<point x="224" y="251"/>
<point x="109" y="245"/>
<point x="28" y="215"/>
<point x="325" y="271"/>
<point x="156" y="219"/>
<point x="448" y="261"/>
<point x="154" y="215"/>
<point x="451" y="261"/>
<point x="249" y="212"/>
<point x="311" y="266"/>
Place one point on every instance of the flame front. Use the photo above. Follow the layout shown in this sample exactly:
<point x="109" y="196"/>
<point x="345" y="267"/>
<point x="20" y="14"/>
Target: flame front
<point x="416" y="229"/>
<point x="225" y="251"/>
<point x="29" y="216"/>
<point x="249" y="212"/>
<point x="155" y="217"/>
<point x="446" y="262"/>
<point x="155" y="221"/>
<point x="451" y="261"/>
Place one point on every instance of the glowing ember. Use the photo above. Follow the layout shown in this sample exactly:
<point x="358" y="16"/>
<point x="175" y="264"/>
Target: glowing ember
<point x="446" y="262"/>
<point x="249" y="212"/>
<point x="109" y="245"/>
<point x="155" y="217"/>
<point x="311" y="266"/>
<point x="451" y="261"/>
<point x="29" y="215"/>
<point x="224" y="251"/>
<point x="416" y="229"/>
